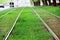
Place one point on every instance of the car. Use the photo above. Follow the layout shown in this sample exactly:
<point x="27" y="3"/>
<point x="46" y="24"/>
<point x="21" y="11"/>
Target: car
<point x="1" y="5"/>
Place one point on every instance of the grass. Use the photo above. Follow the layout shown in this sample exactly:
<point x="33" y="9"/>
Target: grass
<point x="7" y="21"/>
<point x="1" y="1"/>
<point x="52" y="21"/>
<point x="29" y="27"/>
<point x="52" y="9"/>
<point x="6" y="11"/>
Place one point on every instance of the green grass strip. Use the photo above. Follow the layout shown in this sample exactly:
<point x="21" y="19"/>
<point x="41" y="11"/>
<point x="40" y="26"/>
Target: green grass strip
<point x="51" y="9"/>
<point x="52" y="21"/>
<point x="29" y="27"/>
<point x="6" y="11"/>
<point x="7" y="21"/>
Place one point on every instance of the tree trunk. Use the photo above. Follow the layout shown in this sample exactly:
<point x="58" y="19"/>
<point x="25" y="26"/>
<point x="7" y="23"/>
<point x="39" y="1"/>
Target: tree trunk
<point x="59" y="2"/>
<point x="49" y="2"/>
<point x="33" y="2"/>
<point x="44" y="2"/>
<point x="54" y="2"/>
<point x="39" y="2"/>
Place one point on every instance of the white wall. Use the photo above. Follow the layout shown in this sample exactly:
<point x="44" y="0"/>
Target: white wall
<point x="22" y="3"/>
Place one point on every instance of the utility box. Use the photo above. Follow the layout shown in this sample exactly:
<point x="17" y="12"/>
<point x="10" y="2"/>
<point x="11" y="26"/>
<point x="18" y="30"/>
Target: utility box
<point x="11" y="4"/>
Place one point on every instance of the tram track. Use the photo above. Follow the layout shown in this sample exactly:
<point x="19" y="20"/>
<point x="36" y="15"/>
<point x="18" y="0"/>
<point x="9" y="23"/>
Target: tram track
<point x="49" y="29"/>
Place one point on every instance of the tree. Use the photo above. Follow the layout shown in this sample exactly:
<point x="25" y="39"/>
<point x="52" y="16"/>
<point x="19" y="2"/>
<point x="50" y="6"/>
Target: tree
<point x="36" y="2"/>
<point x="39" y="2"/>
<point x="54" y="2"/>
<point x="44" y="2"/>
<point x="49" y="2"/>
<point x="59" y="2"/>
<point x="33" y="2"/>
